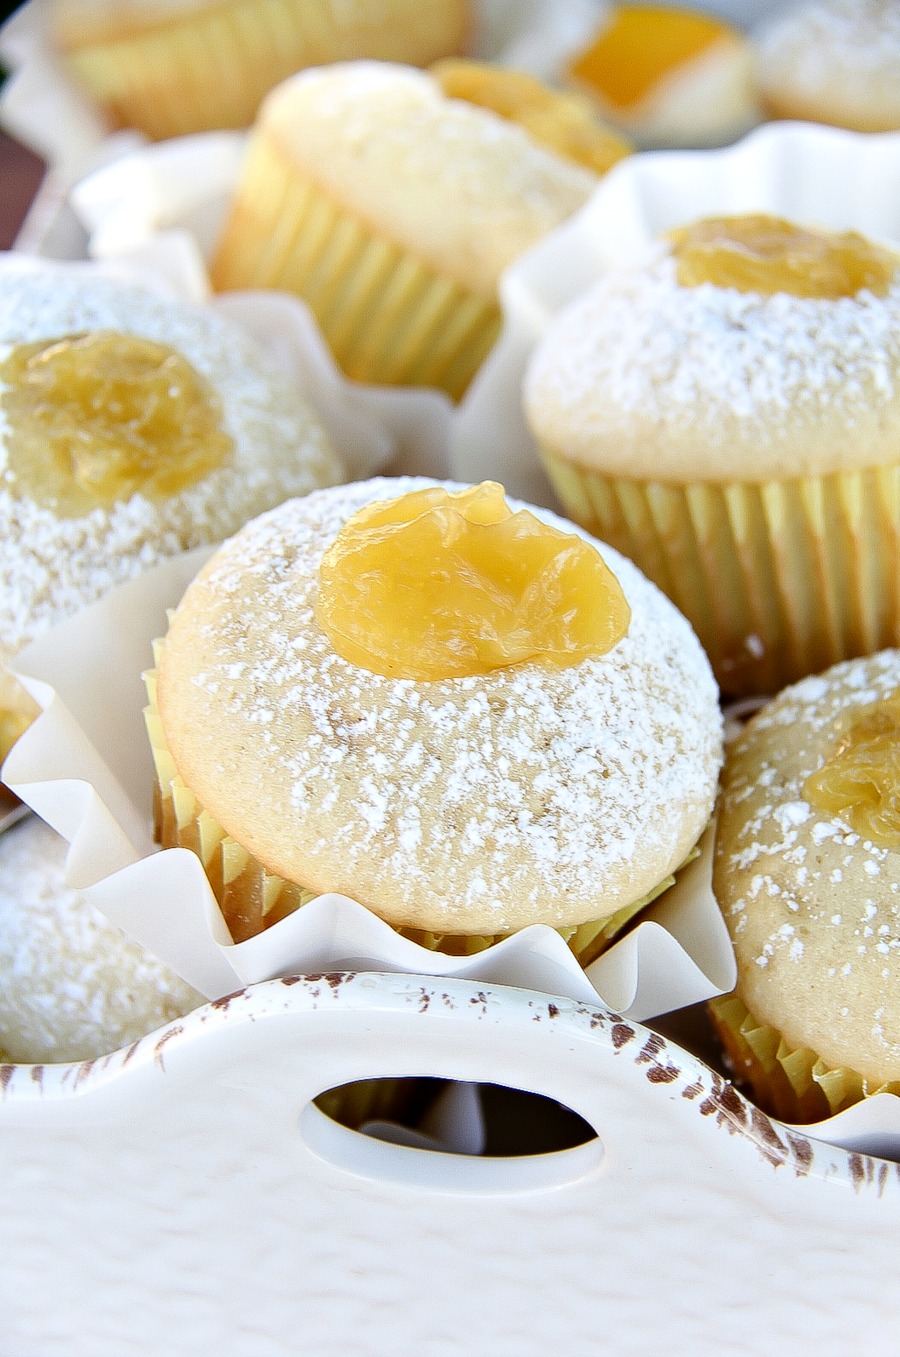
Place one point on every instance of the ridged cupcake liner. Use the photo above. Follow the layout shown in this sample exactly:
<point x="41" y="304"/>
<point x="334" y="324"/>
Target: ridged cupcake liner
<point x="791" y="1083"/>
<point x="779" y="579"/>
<point x="387" y="316"/>
<point x="211" y="69"/>
<point x="252" y="899"/>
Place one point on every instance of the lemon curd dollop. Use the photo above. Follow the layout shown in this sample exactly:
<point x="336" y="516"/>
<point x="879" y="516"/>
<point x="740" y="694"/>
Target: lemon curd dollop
<point x="639" y="47"/>
<point x="440" y="584"/>
<point x="564" y="123"/>
<point x="765" y="254"/>
<point x="95" y="418"/>
<point x="860" y="781"/>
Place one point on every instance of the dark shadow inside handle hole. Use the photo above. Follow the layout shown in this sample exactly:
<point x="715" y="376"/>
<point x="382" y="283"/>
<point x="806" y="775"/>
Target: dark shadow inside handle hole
<point x="487" y="1120"/>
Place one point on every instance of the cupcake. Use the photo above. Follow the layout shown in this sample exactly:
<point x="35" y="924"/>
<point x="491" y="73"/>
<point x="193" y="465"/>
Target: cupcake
<point x="834" y="61"/>
<point x="392" y="208"/>
<point x="72" y="986"/>
<point x="169" y="67"/>
<point x="667" y="76"/>
<point x="806" y="872"/>
<point x="466" y="718"/>
<point x="727" y="413"/>
<point x="133" y="427"/>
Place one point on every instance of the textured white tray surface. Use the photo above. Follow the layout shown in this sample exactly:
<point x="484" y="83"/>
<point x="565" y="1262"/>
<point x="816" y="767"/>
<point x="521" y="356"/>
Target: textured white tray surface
<point x="184" y="1197"/>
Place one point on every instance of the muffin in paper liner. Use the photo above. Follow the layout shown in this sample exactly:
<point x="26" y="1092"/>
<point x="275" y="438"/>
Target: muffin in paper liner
<point x="805" y="875"/>
<point x="390" y="199"/>
<point x="388" y="317"/>
<point x="86" y="766"/>
<point x="781" y="574"/>
<point x="793" y="1084"/>
<point x="203" y="66"/>
<point x="45" y="108"/>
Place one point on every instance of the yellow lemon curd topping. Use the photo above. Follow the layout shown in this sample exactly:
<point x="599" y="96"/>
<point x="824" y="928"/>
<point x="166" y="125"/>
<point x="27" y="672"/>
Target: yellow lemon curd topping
<point x="94" y="418"/>
<point x="641" y="45"/>
<point x="860" y="781"/>
<point x="763" y="254"/>
<point x="440" y="584"/>
<point x="563" y="123"/>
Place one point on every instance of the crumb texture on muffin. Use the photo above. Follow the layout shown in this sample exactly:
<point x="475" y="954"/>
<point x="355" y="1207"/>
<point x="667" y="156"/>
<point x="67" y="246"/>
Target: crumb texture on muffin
<point x="813" y="906"/>
<point x="72" y="986"/>
<point x="834" y="61"/>
<point x="480" y="804"/>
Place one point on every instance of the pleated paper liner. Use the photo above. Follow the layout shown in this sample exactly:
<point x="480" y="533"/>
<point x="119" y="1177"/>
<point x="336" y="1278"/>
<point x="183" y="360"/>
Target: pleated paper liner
<point x="779" y="579"/>
<point x="211" y="69"/>
<point x="252" y="899"/>
<point x="793" y="1084"/>
<point x="388" y="317"/>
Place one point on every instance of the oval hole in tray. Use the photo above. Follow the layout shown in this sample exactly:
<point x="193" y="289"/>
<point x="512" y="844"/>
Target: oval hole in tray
<point x="451" y="1136"/>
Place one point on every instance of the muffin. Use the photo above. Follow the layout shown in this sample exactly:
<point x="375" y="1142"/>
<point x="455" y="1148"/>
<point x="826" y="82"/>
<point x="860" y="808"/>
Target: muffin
<point x="726" y="412"/>
<point x="834" y="61"/>
<point x="169" y="67"/>
<point x="72" y="986"/>
<point x="667" y="76"/>
<point x="133" y="427"/>
<point x="392" y="208"/>
<point x="467" y="719"/>
<point x="806" y="872"/>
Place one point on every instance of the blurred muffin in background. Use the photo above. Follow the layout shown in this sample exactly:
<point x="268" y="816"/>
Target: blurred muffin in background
<point x="391" y="200"/>
<point x="834" y="61"/>
<point x="169" y="67"/>
<point x="668" y="76"/>
<point x="132" y="427"/>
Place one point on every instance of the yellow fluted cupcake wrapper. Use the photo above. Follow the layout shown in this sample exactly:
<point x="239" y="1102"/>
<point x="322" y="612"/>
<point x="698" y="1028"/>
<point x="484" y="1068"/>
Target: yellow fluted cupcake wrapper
<point x="791" y="1083"/>
<point x="388" y="317"/>
<point x="779" y="580"/>
<point x="211" y="69"/>
<point x="252" y="899"/>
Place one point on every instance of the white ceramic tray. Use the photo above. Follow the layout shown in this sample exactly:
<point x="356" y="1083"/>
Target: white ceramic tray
<point x="184" y="1196"/>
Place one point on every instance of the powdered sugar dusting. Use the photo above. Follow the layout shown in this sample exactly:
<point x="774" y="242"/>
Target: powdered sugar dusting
<point x="526" y="795"/>
<point x="800" y="888"/>
<point x="454" y="183"/>
<point x="72" y="986"/>
<point x="49" y="566"/>
<point x="645" y="377"/>
<point x="844" y="50"/>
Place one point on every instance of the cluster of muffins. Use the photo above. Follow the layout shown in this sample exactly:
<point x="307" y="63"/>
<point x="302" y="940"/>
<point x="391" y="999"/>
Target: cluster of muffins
<point x="134" y="427"/>
<point x="466" y="714"/>
<point x="663" y="75"/>
<point x="726" y="410"/>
